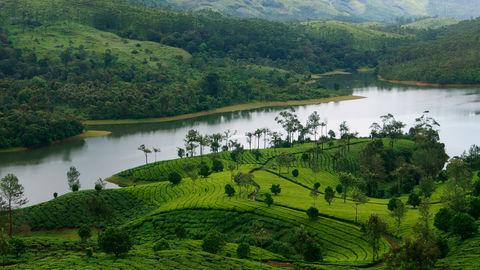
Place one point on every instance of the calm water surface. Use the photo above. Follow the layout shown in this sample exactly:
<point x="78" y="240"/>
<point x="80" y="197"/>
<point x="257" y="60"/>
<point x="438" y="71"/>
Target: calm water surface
<point x="43" y="171"/>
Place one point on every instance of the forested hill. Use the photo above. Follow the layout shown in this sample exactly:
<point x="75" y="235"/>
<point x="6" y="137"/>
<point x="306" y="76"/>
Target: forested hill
<point x="66" y="60"/>
<point x="380" y="10"/>
<point x="450" y="55"/>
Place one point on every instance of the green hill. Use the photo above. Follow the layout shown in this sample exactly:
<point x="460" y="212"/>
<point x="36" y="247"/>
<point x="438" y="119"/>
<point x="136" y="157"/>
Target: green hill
<point x="430" y="23"/>
<point x="446" y="56"/>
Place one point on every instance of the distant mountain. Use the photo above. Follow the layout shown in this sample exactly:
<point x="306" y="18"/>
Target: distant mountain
<point x="379" y="10"/>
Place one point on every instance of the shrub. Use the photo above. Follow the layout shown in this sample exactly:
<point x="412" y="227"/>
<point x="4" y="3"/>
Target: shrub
<point x="85" y="232"/>
<point x="217" y="165"/>
<point x="312" y="251"/>
<point x="442" y="219"/>
<point x="114" y="240"/>
<point x="229" y="190"/>
<point x="268" y="199"/>
<point x="295" y="173"/>
<point x="55" y="195"/>
<point x="89" y="252"/>
<point x="243" y="251"/>
<point x="276" y="189"/>
<point x="474" y="207"/>
<point x="313" y="213"/>
<point x="339" y="188"/>
<point x="204" y="170"/>
<point x="414" y="199"/>
<point x="463" y="225"/>
<point x="392" y="204"/>
<point x="160" y="245"/>
<point x="213" y="242"/>
<point x="174" y="178"/>
<point x="18" y="246"/>
<point x="180" y="232"/>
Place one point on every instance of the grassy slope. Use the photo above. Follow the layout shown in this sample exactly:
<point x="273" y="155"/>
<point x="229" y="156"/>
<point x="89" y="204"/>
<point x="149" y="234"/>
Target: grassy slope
<point x="49" y="41"/>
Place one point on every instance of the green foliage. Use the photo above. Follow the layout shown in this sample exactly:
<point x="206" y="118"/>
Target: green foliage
<point x="295" y="173"/>
<point x="443" y="219"/>
<point x="429" y="60"/>
<point x="474" y="207"/>
<point x="268" y="199"/>
<point x="463" y="225"/>
<point x="243" y="250"/>
<point x="18" y="246"/>
<point x="275" y="189"/>
<point x="160" y="245"/>
<point x="204" y="170"/>
<point x="85" y="232"/>
<point x="312" y="213"/>
<point x="213" y="242"/>
<point x="89" y="252"/>
<point x="413" y="199"/>
<point x="174" y="178"/>
<point x="217" y="165"/>
<point x="329" y="195"/>
<point x="180" y="231"/>
<point x="115" y="240"/>
<point x="229" y="190"/>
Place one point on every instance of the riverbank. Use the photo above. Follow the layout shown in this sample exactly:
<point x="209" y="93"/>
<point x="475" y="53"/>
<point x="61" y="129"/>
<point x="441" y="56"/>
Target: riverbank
<point x="84" y="135"/>
<point x="232" y="108"/>
<point x="427" y="84"/>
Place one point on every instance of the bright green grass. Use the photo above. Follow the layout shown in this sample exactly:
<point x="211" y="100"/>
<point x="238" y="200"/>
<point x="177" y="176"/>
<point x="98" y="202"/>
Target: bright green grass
<point x="141" y="257"/>
<point x="464" y="254"/>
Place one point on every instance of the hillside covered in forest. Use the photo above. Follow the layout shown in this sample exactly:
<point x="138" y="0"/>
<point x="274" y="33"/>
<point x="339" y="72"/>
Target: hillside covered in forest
<point x="450" y="55"/>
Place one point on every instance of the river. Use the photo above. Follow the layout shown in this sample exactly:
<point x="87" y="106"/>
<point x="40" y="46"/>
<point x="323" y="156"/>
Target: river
<point x="43" y="171"/>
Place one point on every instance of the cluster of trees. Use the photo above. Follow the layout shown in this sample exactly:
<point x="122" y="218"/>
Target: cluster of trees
<point x="226" y="68"/>
<point x="461" y="201"/>
<point x="27" y="115"/>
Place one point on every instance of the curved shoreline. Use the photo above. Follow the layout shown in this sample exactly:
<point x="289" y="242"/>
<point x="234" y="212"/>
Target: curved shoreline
<point x="232" y="108"/>
<point x="427" y="84"/>
<point x="84" y="135"/>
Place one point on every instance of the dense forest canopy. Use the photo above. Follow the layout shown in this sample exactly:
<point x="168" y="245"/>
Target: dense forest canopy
<point x="448" y="55"/>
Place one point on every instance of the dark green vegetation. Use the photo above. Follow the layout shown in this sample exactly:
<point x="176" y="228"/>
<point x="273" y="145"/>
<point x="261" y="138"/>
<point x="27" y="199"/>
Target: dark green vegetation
<point x="90" y="63"/>
<point x="230" y="217"/>
<point x="87" y="62"/>
<point x="446" y="56"/>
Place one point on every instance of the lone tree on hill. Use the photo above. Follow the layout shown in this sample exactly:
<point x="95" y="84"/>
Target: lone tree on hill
<point x="276" y="189"/>
<point x="313" y="213"/>
<point x="155" y="151"/>
<point x="358" y="198"/>
<point x="229" y="190"/>
<point x="397" y="211"/>
<point x="11" y="194"/>
<point x="268" y="199"/>
<point x="73" y="178"/>
<point x="347" y="180"/>
<point x="329" y="195"/>
<point x="373" y="230"/>
<point x="314" y="192"/>
<point x="174" y="178"/>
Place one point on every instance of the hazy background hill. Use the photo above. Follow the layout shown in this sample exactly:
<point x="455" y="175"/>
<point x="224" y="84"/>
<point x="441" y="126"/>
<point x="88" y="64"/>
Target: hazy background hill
<point x="383" y="10"/>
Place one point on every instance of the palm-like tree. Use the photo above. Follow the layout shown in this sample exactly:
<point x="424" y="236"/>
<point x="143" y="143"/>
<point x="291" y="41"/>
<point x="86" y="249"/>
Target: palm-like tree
<point x="265" y="132"/>
<point x="249" y="136"/>
<point x="258" y="134"/>
<point x="145" y="151"/>
<point x="155" y="151"/>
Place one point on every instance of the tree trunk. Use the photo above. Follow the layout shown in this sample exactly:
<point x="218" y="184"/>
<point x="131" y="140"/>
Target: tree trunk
<point x="10" y="219"/>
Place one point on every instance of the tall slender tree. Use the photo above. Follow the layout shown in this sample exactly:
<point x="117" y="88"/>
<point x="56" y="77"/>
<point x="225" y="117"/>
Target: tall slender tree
<point x="12" y="195"/>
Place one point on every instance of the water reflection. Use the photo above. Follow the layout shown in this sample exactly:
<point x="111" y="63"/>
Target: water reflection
<point x="43" y="171"/>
